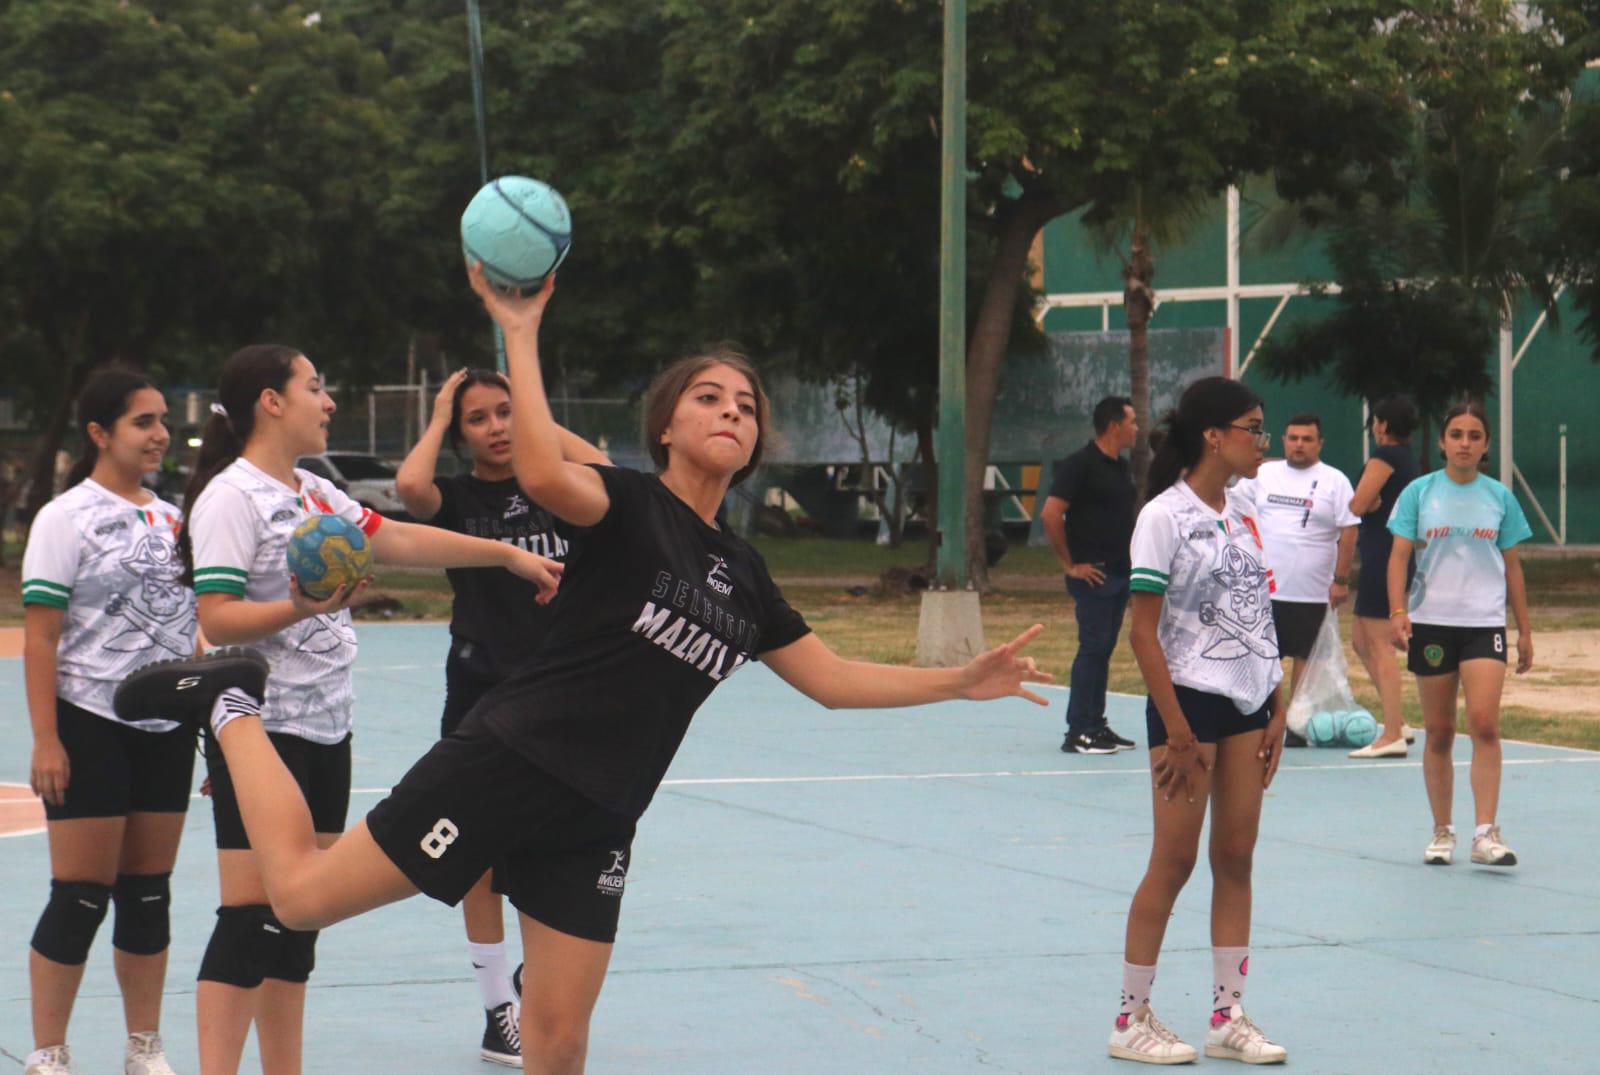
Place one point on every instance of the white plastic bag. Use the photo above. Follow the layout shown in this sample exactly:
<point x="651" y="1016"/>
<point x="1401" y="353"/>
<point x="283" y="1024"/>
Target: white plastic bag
<point x="1325" y="687"/>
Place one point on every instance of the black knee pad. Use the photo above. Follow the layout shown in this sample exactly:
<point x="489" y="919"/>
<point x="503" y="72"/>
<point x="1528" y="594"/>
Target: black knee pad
<point x="70" y="920"/>
<point x="142" y="926"/>
<point x="240" y="944"/>
<point x="294" y="956"/>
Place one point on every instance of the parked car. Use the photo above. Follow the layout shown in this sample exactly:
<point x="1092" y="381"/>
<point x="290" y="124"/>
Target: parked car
<point x="367" y="479"/>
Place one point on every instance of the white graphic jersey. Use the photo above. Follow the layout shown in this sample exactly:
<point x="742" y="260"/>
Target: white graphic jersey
<point x="1216" y="620"/>
<point x="240" y="528"/>
<point x="1461" y="533"/>
<point x="114" y="568"/>
<point x="1301" y="511"/>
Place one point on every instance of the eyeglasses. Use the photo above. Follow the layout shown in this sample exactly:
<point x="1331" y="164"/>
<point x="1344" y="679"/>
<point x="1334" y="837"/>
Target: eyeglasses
<point x="1263" y="438"/>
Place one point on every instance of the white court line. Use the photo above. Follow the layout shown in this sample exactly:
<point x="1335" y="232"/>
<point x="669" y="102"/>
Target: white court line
<point x="996" y="774"/>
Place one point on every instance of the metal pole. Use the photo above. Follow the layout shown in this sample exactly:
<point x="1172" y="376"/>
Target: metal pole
<point x="1507" y="433"/>
<point x="480" y="119"/>
<point x="952" y="558"/>
<point x="1561" y="477"/>
<point x="1233" y="284"/>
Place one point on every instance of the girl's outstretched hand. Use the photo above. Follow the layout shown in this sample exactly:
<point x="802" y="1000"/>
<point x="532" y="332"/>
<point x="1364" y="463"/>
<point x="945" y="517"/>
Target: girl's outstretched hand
<point x="512" y="310"/>
<point x="541" y="571"/>
<point x="1001" y="672"/>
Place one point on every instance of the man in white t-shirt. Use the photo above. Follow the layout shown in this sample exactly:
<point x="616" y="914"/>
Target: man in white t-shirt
<point x="1303" y="509"/>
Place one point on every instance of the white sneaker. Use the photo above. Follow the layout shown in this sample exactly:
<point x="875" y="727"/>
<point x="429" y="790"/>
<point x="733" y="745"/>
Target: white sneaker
<point x="1409" y="733"/>
<point x="56" y="1060"/>
<point x="1440" y="848"/>
<point x="1396" y="749"/>
<point x="1144" y="1039"/>
<point x="1488" y="850"/>
<point x="143" y="1055"/>
<point x="1240" y="1039"/>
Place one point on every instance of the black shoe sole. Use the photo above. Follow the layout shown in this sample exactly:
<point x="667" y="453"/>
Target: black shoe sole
<point x="185" y="689"/>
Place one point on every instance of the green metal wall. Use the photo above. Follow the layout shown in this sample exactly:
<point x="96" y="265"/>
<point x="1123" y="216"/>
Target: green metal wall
<point x="1556" y="383"/>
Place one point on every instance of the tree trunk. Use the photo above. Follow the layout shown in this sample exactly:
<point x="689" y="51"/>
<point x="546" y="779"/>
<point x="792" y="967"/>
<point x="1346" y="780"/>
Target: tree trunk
<point x="67" y="354"/>
<point x="1020" y="221"/>
<point x="1138" y="306"/>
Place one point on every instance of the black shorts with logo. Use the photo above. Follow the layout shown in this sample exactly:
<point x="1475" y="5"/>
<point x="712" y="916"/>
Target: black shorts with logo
<point x="321" y="769"/>
<point x="1298" y="623"/>
<point x="1211" y="717"/>
<point x="471" y="804"/>
<point x="1436" y="650"/>
<point x="116" y="769"/>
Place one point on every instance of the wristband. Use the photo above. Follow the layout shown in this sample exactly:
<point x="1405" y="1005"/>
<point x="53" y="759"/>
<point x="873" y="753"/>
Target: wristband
<point x="1399" y="612"/>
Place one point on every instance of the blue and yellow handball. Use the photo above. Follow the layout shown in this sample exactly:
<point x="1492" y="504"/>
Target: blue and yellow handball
<point x="326" y="552"/>
<point x="519" y="229"/>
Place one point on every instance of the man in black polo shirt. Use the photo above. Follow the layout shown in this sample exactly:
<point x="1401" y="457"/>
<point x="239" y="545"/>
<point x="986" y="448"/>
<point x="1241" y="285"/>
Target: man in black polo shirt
<point x="1089" y="519"/>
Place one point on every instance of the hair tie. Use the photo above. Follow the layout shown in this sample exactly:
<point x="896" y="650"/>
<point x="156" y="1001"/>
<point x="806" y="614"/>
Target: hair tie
<point x="220" y="411"/>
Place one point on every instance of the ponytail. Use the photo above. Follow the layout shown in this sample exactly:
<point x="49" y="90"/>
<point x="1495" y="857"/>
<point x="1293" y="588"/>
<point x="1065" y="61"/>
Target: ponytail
<point x="248" y="373"/>
<point x="103" y="400"/>
<point x="1179" y="440"/>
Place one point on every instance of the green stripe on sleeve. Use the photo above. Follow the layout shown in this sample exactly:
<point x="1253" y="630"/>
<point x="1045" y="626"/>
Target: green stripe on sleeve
<point x="219" y="585"/>
<point x="1149" y="573"/>
<point x="43" y="597"/>
<point x="1147" y="585"/>
<point x="46" y="584"/>
<point x="236" y="572"/>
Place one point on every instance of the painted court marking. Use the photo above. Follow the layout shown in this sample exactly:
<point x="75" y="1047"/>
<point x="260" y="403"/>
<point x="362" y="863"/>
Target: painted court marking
<point x="21" y="811"/>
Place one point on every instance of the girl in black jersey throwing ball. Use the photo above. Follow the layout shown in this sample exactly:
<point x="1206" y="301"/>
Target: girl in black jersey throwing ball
<point x="549" y="774"/>
<point x="495" y="620"/>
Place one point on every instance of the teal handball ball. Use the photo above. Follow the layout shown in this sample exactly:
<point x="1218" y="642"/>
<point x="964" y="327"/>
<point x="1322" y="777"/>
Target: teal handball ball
<point x="520" y="230"/>
<point x="1360" y="728"/>
<point x="1323" y="728"/>
<point x="326" y="552"/>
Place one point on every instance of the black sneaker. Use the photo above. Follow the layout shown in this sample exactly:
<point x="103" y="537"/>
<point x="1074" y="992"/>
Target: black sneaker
<point x="1294" y="739"/>
<point x="1087" y="743"/>
<point x="516" y="980"/>
<point x="1116" y="740"/>
<point x="186" y="689"/>
<point x="502" y="1038"/>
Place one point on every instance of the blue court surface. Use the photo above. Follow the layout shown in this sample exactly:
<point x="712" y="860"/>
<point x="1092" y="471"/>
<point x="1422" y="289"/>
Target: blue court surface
<point x="937" y="890"/>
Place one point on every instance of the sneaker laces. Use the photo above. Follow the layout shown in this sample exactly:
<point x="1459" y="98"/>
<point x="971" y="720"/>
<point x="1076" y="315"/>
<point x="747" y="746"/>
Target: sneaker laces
<point x="1242" y="1025"/>
<point x="1158" y="1029"/>
<point x="509" y="1016"/>
<point x="144" y="1046"/>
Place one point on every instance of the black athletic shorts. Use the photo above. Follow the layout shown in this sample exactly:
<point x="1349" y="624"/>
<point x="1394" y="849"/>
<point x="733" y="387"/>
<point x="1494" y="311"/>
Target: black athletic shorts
<point x="1298" y="623"/>
<point x="1438" y="651"/>
<point x="116" y="769"/>
<point x="471" y="804"/>
<point x="321" y="769"/>
<point x="1211" y="717"/>
<point x="469" y="672"/>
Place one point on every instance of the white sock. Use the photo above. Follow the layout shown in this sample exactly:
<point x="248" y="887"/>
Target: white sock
<point x="1228" y="969"/>
<point x="1137" y="981"/>
<point x="494" y="980"/>
<point x="1482" y="830"/>
<point x="232" y="703"/>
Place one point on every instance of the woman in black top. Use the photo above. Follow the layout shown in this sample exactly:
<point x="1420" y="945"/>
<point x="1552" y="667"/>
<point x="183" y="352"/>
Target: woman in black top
<point x="496" y="621"/>
<point x="548" y="775"/>
<point x="1390" y="469"/>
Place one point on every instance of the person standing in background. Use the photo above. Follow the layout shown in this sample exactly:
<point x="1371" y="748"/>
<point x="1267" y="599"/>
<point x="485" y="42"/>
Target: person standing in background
<point x="1088" y="518"/>
<point x="1303" y="507"/>
<point x="1392" y="467"/>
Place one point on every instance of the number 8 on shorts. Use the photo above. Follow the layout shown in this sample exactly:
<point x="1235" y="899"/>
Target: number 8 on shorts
<point x="439" y="838"/>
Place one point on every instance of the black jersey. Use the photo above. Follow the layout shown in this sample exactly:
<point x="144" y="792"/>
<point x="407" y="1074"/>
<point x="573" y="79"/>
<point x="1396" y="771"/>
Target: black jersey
<point x="494" y="608"/>
<point x="655" y="609"/>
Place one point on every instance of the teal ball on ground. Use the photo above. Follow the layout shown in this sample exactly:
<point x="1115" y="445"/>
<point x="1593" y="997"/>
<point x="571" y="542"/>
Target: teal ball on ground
<point x="326" y="552"/>
<point x="520" y="229"/>
<point x="1360" y="728"/>
<point x="1323" y="728"/>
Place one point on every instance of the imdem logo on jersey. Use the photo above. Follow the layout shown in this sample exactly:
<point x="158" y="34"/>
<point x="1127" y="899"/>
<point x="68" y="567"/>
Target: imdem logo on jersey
<point x="615" y="876"/>
<point x="717" y="578"/>
<point x="516" y="506"/>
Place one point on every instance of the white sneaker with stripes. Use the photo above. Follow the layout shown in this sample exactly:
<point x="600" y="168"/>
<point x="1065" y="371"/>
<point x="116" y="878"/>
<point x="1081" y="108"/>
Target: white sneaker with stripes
<point x="1142" y="1037"/>
<point x="56" y="1060"/>
<point x="144" y="1055"/>
<point x="1441" y="847"/>
<point x="1490" y="850"/>
<point x="1239" y="1039"/>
